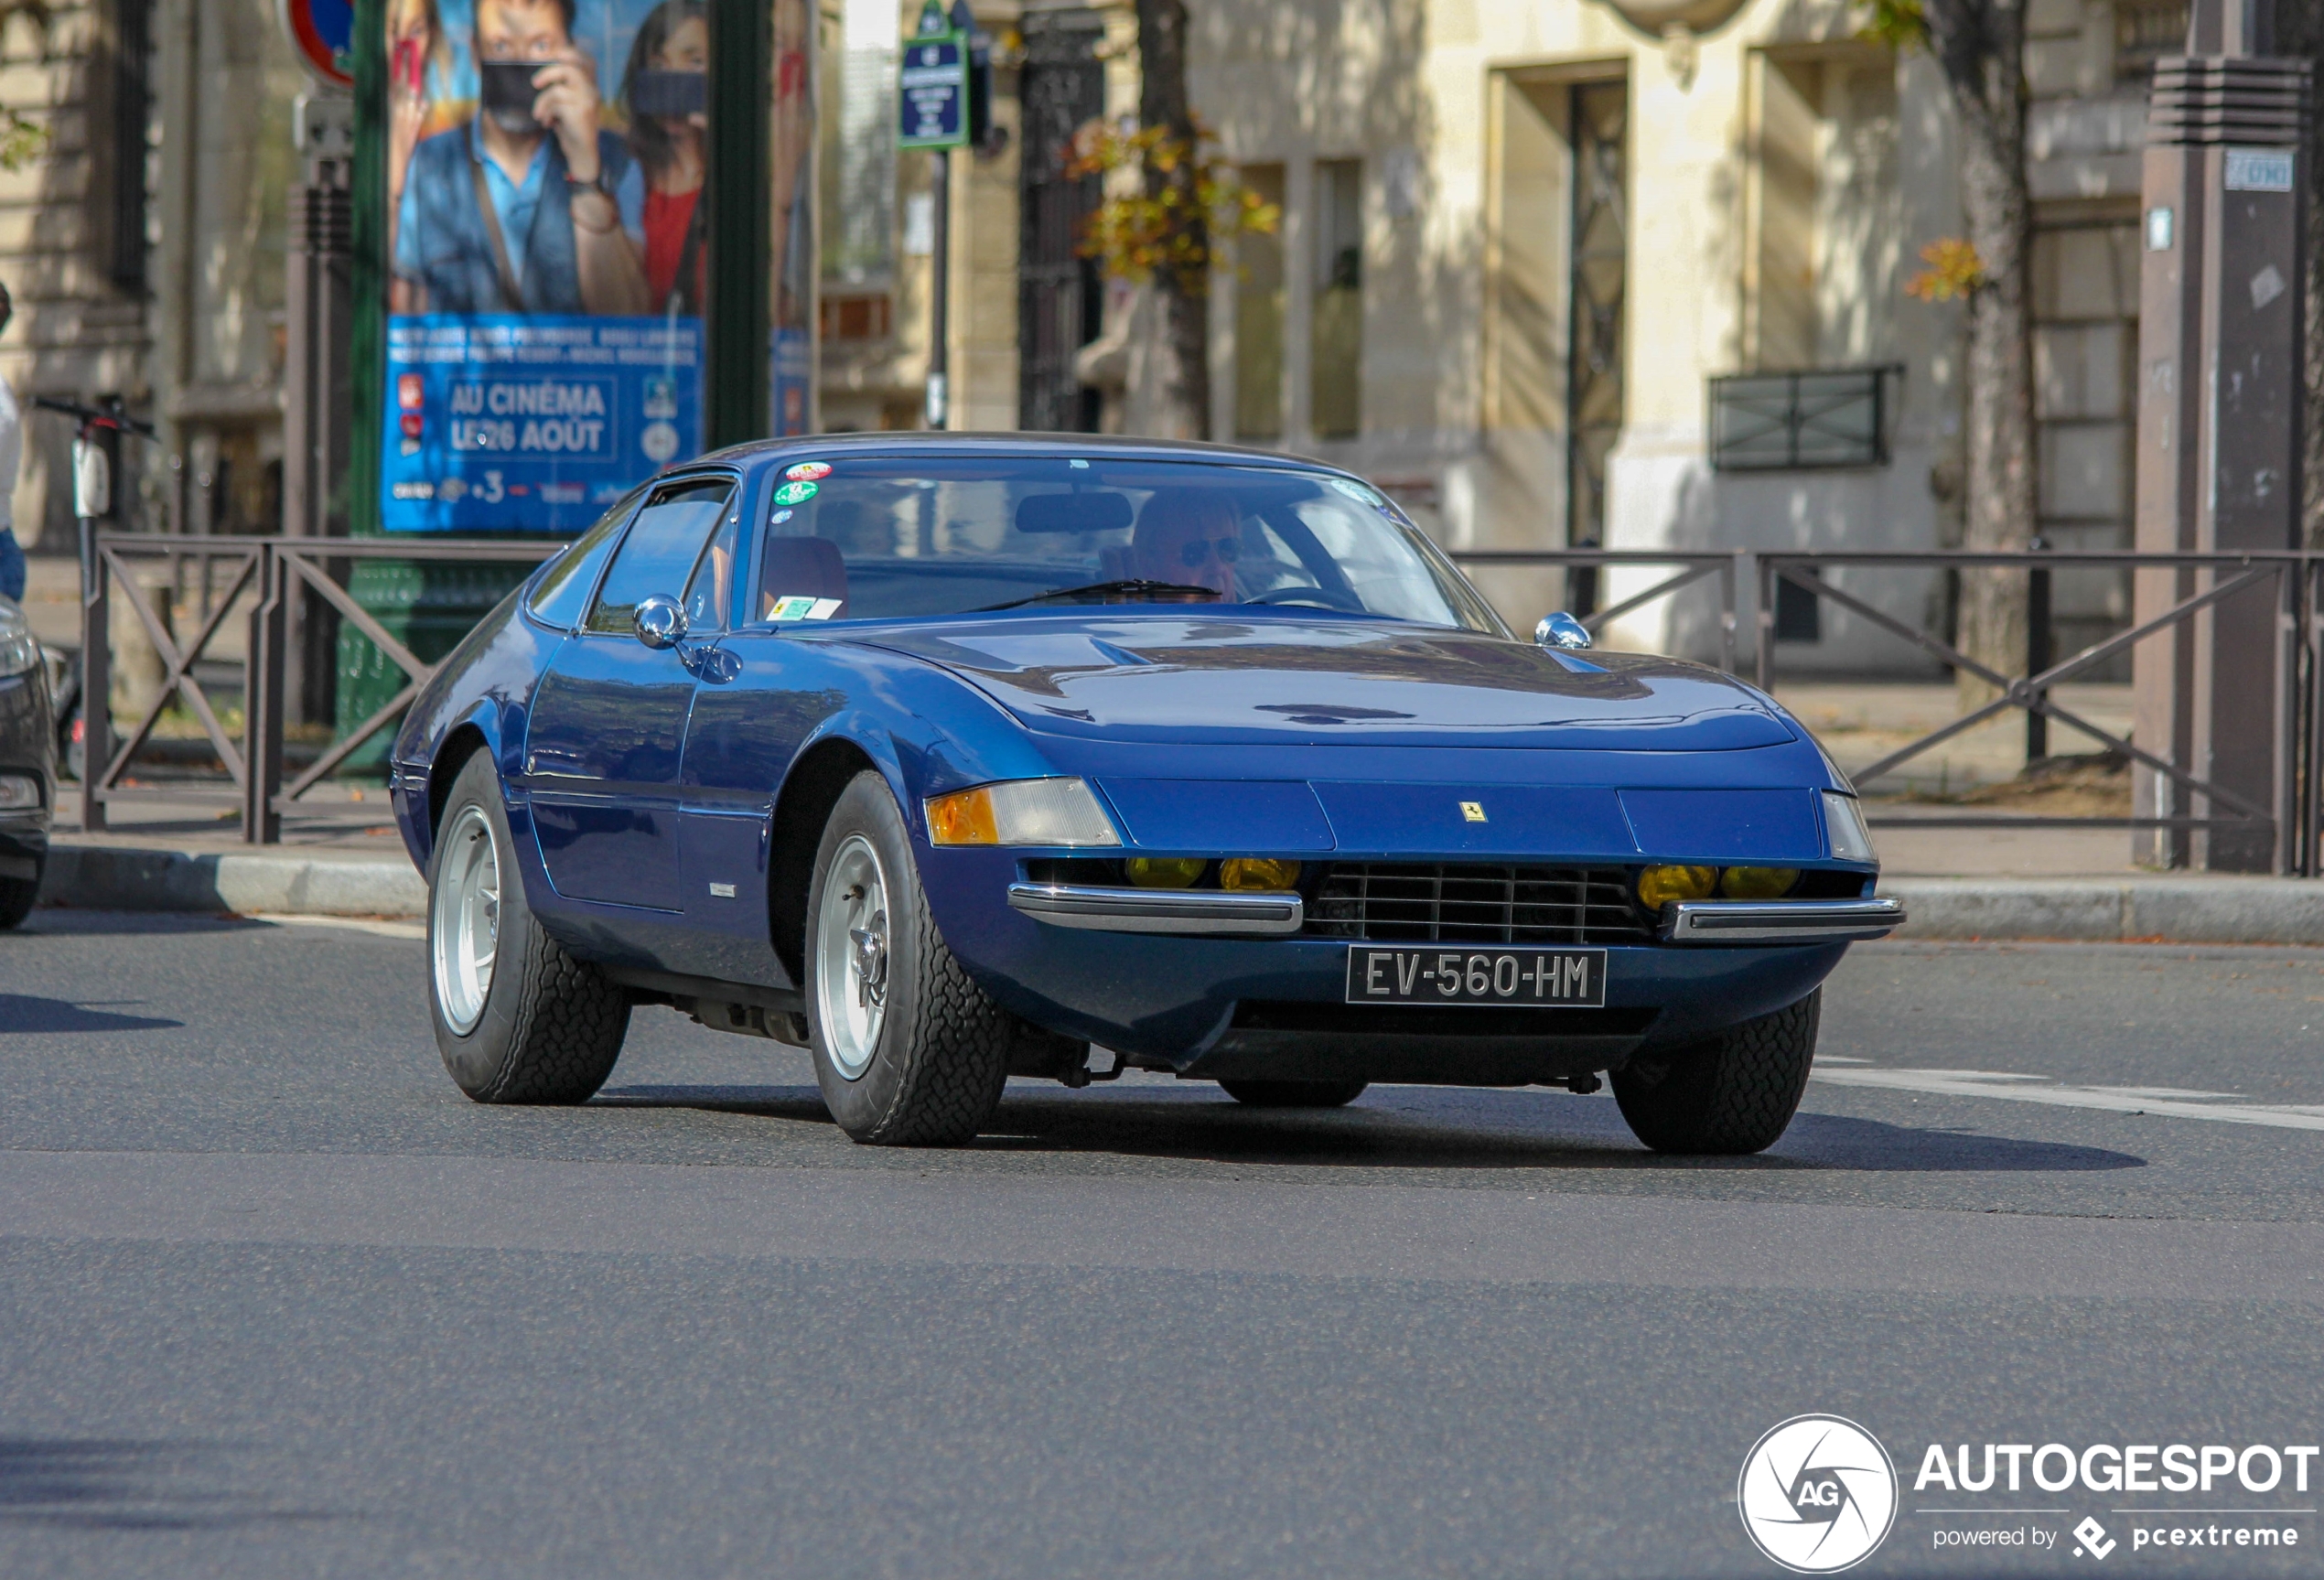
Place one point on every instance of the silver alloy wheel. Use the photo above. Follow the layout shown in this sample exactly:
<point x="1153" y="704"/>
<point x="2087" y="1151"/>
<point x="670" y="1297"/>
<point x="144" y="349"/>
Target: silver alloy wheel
<point x="851" y="956"/>
<point x="464" y="935"/>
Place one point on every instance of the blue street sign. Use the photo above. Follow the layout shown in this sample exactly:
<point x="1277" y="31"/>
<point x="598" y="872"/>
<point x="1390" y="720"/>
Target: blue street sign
<point x="933" y="96"/>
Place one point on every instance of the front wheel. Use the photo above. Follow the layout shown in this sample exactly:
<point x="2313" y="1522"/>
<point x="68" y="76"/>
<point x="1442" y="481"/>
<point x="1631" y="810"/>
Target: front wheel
<point x="908" y="1051"/>
<point x="1294" y="1093"/>
<point x="16" y="895"/>
<point x="1731" y="1095"/>
<point x="517" y="1018"/>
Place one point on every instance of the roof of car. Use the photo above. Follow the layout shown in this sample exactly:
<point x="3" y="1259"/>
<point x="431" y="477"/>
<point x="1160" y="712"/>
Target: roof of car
<point x="892" y="442"/>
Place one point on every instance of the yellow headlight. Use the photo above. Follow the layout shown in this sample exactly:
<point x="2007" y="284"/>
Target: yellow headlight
<point x="1758" y="882"/>
<point x="1165" y="871"/>
<point x="1658" y="885"/>
<point x="1249" y="872"/>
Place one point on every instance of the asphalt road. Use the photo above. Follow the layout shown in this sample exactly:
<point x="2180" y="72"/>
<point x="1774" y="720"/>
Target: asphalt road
<point x="276" y="1300"/>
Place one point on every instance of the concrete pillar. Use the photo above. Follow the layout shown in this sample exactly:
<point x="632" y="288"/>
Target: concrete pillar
<point x="2218" y="469"/>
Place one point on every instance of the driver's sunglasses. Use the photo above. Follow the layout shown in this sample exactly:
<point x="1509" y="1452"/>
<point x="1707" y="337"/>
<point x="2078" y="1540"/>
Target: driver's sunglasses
<point x="1197" y="550"/>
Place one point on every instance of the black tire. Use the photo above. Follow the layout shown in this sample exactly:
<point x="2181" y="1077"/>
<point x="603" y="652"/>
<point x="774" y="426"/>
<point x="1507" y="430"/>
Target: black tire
<point x="550" y="1026"/>
<point x="16" y="895"/>
<point x="1294" y="1093"/>
<point x="1733" y="1094"/>
<point x="939" y="1056"/>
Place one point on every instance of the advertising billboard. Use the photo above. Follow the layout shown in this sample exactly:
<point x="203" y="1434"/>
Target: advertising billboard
<point x="549" y="244"/>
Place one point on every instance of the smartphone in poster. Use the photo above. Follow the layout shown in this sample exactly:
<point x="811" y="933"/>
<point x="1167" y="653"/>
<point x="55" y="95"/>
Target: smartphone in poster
<point x="546" y="161"/>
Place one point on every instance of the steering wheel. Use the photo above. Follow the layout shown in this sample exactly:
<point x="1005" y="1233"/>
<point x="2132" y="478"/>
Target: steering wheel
<point x="1324" y="598"/>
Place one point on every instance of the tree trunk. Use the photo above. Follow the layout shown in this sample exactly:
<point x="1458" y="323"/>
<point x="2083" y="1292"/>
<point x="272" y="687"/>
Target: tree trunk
<point x="2299" y="33"/>
<point x="1980" y="46"/>
<point x="1182" y="365"/>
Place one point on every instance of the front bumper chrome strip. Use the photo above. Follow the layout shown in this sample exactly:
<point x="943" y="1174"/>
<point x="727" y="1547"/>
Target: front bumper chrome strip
<point x="1780" y="921"/>
<point x="1158" y="909"/>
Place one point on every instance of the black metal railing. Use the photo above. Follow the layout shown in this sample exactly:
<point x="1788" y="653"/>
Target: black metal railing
<point x="2285" y="588"/>
<point x="273" y="571"/>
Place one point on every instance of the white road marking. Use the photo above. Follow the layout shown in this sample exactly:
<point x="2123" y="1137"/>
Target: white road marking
<point x="2166" y="1102"/>
<point x="378" y="926"/>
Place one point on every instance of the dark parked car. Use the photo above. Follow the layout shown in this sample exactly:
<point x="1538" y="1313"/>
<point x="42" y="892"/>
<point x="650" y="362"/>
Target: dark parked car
<point x="949" y="757"/>
<point x="28" y="765"/>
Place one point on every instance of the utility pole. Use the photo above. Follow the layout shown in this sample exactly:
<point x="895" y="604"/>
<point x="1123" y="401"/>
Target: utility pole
<point x="934" y="109"/>
<point x="2218" y="426"/>
<point x="318" y="408"/>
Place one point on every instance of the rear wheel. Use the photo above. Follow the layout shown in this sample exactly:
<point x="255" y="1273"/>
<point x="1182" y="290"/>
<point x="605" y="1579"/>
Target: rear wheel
<point x="1294" y="1093"/>
<point x="1733" y="1094"/>
<point x="908" y="1051"/>
<point x="517" y="1018"/>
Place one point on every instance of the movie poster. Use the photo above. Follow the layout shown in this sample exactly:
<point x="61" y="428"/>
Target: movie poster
<point x="549" y="254"/>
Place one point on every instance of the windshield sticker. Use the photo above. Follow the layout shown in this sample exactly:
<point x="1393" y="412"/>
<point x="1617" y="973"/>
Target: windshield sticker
<point x="1356" y="491"/>
<point x="795" y="493"/>
<point x="1079" y="465"/>
<point x="803" y="606"/>
<point x="808" y="472"/>
<point x="779" y="518"/>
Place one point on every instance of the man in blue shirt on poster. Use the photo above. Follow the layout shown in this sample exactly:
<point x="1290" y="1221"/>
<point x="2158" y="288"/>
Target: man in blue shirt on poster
<point x="529" y="208"/>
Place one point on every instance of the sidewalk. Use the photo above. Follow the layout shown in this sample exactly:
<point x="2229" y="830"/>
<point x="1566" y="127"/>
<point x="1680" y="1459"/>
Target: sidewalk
<point x="358" y="874"/>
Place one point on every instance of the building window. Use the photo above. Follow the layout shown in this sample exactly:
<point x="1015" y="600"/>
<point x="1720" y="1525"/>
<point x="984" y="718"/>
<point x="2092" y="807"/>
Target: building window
<point x="855" y="317"/>
<point x="1595" y="286"/>
<point x="1258" y="318"/>
<point x="1336" y="336"/>
<point x="1794" y="422"/>
<point x="119" y="109"/>
<point x="1798" y="611"/>
<point x="2145" y="31"/>
<point x="859" y="146"/>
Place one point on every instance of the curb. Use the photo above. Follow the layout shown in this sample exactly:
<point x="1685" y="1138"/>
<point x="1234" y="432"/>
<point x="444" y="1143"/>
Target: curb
<point x="2114" y="910"/>
<point x="116" y="877"/>
<point x="2099" y="910"/>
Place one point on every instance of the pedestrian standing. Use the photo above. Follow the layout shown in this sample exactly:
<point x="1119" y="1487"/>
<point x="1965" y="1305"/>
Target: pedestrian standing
<point x="12" y="568"/>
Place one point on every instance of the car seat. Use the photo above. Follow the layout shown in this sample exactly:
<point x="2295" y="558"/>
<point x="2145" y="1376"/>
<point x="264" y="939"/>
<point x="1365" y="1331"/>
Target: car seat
<point x="801" y="568"/>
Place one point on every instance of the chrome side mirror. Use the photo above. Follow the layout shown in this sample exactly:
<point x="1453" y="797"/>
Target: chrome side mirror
<point x="1561" y="630"/>
<point x="660" y="622"/>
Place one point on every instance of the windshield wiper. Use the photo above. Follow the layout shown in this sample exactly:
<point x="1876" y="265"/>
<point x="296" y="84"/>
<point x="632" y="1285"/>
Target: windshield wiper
<point x="1095" y="593"/>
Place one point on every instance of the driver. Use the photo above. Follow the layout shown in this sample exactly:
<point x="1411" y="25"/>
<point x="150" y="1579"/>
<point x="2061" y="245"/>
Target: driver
<point x="1190" y="536"/>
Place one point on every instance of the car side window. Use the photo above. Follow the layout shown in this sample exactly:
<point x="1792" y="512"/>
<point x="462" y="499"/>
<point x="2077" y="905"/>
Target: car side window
<point x="563" y="591"/>
<point x="711" y="593"/>
<point x="659" y="552"/>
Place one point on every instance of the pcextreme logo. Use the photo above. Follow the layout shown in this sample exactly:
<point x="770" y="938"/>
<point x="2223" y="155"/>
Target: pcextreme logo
<point x="1818" y="1494"/>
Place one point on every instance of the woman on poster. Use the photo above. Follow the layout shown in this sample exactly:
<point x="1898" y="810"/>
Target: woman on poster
<point x="664" y="97"/>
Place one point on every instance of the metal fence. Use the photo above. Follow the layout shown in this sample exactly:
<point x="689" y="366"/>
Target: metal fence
<point x="2291" y="581"/>
<point x="277" y="569"/>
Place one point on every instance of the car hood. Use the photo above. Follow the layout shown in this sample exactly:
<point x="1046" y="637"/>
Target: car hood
<point x="1282" y="681"/>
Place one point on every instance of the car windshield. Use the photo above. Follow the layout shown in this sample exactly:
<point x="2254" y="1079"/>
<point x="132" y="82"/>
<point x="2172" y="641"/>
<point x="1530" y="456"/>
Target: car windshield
<point x="880" y="537"/>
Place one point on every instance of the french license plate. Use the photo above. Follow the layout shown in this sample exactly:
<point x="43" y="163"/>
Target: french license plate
<point x="1533" y="978"/>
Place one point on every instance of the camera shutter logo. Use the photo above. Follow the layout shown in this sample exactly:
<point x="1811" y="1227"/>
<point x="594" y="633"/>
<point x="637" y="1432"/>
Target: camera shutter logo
<point x="1818" y="1494"/>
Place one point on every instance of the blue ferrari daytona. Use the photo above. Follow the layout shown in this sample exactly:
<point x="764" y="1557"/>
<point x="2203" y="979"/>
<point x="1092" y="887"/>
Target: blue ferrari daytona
<point x="954" y="757"/>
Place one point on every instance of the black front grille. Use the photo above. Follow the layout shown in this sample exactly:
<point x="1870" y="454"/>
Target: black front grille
<point x="1416" y="903"/>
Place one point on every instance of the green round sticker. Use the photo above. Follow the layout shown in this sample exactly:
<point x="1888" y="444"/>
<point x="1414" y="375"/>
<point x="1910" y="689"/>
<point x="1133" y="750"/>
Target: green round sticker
<point x="795" y="493"/>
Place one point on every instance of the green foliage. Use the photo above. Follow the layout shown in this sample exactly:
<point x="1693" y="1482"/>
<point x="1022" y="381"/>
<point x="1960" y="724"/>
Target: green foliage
<point x="1956" y="272"/>
<point x="21" y="140"/>
<point x="1901" y="24"/>
<point x="1187" y="202"/>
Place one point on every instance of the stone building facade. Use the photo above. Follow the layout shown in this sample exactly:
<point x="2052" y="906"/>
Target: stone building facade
<point x="145" y="249"/>
<point x="1534" y="260"/>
